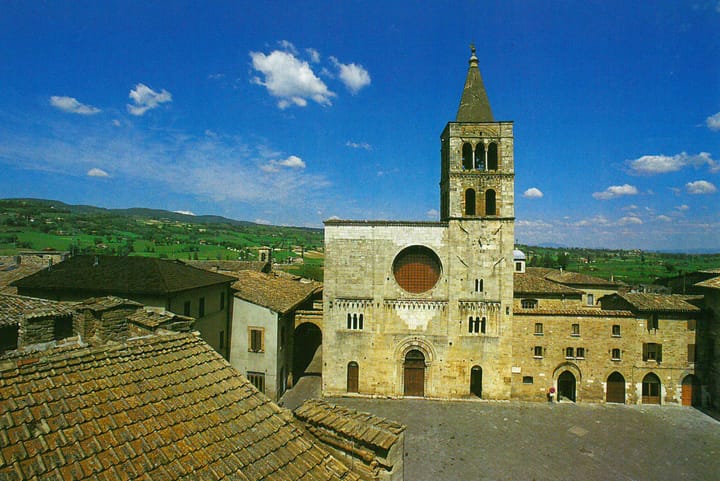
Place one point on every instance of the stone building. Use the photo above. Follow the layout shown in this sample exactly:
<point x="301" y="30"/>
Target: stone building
<point x="425" y="308"/>
<point x="709" y="342"/>
<point x="164" y="284"/>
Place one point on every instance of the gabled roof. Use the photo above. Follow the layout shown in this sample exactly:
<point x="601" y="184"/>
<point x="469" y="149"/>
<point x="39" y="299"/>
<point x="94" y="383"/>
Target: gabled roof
<point x="230" y="267"/>
<point x="526" y="283"/>
<point x="15" y="308"/>
<point x="154" y="408"/>
<point x="713" y="283"/>
<point x="576" y="278"/>
<point x="474" y="103"/>
<point x="278" y="293"/>
<point x="644" y="302"/>
<point x="121" y="276"/>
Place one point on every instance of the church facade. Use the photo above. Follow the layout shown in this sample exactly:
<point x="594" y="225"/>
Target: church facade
<point x="425" y="308"/>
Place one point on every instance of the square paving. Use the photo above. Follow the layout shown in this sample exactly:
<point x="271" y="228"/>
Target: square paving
<point x="460" y="440"/>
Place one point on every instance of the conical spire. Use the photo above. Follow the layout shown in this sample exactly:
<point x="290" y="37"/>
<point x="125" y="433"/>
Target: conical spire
<point x="474" y="104"/>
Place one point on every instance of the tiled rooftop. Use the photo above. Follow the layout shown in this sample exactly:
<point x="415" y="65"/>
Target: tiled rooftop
<point x="576" y="278"/>
<point x="526" y="283"/>
<point x="122" y="276"/>
<point x="156" y="408"/>
<point x="10" y="272"/>
<point x="364" y="428"/>
<point x="713" y="283"/>
<point x="230" y="267"/>
<point x="14" y="308"/>
<point x="659" y="302"/>
<point x="573" y="312"/>
<point x="276" y="292"/>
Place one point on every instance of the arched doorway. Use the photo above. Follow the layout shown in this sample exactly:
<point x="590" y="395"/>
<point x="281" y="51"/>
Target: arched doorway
<point x="414" y="373"/>
<point x="690" y="391"/>
<point x="615" y="388"/>
<point x="353" y="377"/>
<point x="566" y="386"/>
<point x="476" y="381"/>
<point x="651" y="389"/>
<point x="307" y="341"/>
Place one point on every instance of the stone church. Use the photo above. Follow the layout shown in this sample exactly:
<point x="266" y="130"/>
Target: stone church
<point x="425" y="308"/>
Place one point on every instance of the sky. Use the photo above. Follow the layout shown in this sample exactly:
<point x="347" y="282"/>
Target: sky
<point x="293" y="114"/>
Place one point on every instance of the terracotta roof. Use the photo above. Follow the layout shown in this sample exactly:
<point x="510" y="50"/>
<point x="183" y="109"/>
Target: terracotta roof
<point x="152" y="319"/>
<point x="527" y="283"/>
<point x="15" y="308"/>
<point x="275" y="292"/>
<point x="230" y="267"/>
<point x="106" y="302"/>
<point x="155" y="408"/>
<point x="9" y="272"/>
<point x="121" y="276"/>
<point x="364" y="428"/>
<point x="658" y="302"/>
<point x="575" y="278"/>
<point x="713" y="283"/>
<point x="573" y="312"/>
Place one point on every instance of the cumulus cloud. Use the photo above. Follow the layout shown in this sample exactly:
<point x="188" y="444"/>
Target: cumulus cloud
<point x="432" y="214"/>
<point x="185" y="212"/>
<point x="594" y="221"/>
<point x="662" y="164"/>
<point x="354" y="76"/>
<point x="358" y="145"/>
<point x="71" y="105"/>
<point x="144" y="98"/>
<point x="289" y="79"/>
<point x="292" y="162"/>
<point x="713" y="122"/>
<point x="664" y="218"/>
<point x="533" y="193"/>
<point x="630" y="220"/>
<point x="683" y="207"/>
<point x="262" y="221"/>
<point x="700" y="187"/>
<point x="615" y="191"/>
<point x="95" y="172"/>
<point x="313" y="54"/>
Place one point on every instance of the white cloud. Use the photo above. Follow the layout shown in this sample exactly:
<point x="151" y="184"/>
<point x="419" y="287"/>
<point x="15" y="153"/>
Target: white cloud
<point x="662" y="164"/>
<point x="216" y="76"/>
<point x="358" y="145"/>
<point x="594" y="221"/>
<point x="288" y="46"/>
<point x="314" y="55"/>
<point x="354" y="76"/>
<point x="289" y="79"/>
<point x="262" y="221"/>
<point x="700" y="187"/>
<point x="71" y="105"/>
<point x="116" y="123"/>
<point x="630" y="220"/>
<point x="145" y="98"/>
<point x="432" y="214"/>
<point x="664" y="218"/>
<point x="683" y="207"/>
<point x="713" y="122"/>
<point x="533" y="193"/>
<point x="292" y="162"/>
<point x="615" y="191"/>
<point x="185" y="212"/>
<point x="95" y="172"/>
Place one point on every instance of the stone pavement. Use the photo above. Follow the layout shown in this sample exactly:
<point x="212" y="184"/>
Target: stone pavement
<point x="462" y="440"/>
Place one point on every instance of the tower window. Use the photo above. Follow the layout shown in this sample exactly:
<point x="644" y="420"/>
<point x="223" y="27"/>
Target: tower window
<point x="479" y="285"/>
<point x="470" y="202"/>
<point x="480" y="156"/>
<point x="492" y="156"/>
<point x="467" y="157"/>
<point x="490" y="205"/>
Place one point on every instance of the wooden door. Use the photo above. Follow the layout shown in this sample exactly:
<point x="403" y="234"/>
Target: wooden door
<point x="690" y="391"/>
<point x="615" y="388"/>
<point x="352" y="377"/>
<point x="414" y="374"/>
<point x="651" y="389"/>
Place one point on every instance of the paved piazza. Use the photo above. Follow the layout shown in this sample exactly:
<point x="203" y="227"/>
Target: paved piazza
<point x="456" y="440"/>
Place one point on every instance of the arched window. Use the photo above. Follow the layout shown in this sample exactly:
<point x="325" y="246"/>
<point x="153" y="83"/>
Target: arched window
<point x="361" y="321"/>
<point x="480" y="156"/>
<point x="492" y="156"/>
<point x="349" y="323"/>
<point x="482" y="325"/>
<point x="470" y="202"/>
<point x="353" y="376"/>
<point x="479" y="285"/>
<point x="354" y="321"/>
<point x="490" y="206"/>
<point x="467" y="156"/>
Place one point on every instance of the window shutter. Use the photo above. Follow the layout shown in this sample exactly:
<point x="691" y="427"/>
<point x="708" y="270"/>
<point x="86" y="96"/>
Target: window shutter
<point x="659" y="352"/>
<point x="645" y="352"/>
<point x="691" y="352"/>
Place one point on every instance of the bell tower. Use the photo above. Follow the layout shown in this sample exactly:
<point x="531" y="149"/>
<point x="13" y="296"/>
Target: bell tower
<point x="477" y="162"/>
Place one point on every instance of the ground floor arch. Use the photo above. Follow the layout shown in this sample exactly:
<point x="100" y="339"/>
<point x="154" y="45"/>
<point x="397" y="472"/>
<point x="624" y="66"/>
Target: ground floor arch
<point x="414" y="373"/>
<point x="566" y="389"/>
<point x="476" y="381"/>
<point x="306" y="341"/>
<point x="615" y="389"/>
<point x="690" y="391"/>
<point x="651" y="389"/>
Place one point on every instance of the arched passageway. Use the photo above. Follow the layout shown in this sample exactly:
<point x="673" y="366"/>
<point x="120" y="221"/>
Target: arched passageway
<point x="476" y="381"/>
<point x="615" y="388"/>
<point x="307" y="341"/>
<point x="651" y="388"/>
<point x="414" y="373"/>
<point x="566" y="386"/>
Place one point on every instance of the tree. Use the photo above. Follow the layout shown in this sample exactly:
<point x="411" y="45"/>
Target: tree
<point x="563" y="259"/>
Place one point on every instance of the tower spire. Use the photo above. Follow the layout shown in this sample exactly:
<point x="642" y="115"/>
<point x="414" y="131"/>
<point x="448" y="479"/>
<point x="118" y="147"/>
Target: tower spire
<point x="474" y="103"/>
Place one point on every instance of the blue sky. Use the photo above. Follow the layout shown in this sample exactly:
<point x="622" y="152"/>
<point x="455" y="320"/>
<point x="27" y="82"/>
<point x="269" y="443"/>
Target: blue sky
<point x="294" y="114"/>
